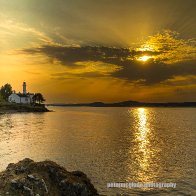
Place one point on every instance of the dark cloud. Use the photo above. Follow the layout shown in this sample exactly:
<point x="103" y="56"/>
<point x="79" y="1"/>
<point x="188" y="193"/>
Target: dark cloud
<point x="153" y="72"/>
<point x="70" y="55"/>
<point x="68" y="75"/>
<point x="131" y="69"/>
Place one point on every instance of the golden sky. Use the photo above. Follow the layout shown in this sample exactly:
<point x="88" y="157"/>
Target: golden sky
<point x="107" y="50"/>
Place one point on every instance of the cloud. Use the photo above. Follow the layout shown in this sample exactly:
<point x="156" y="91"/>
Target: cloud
<point x="84" y="58"/>
<point x="169" y="56"/>
<point x="169" y="48"/>
<point x="15" y="34"/>
<point x="181" y="80"/>
<point x="31" y="72"/>
<point x="74" y="40"/>
<point x="154" y="72"/>
<point x="87" y="69"/>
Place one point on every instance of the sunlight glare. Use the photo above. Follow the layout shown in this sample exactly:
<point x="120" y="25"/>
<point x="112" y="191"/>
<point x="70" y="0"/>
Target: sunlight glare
<point x="144" y="58"/>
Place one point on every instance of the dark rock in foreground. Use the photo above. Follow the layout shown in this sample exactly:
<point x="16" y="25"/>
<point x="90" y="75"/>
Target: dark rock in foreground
<point x="43" y="178"/>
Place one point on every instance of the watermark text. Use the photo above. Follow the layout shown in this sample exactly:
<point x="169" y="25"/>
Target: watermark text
<point x="141" y="185"/>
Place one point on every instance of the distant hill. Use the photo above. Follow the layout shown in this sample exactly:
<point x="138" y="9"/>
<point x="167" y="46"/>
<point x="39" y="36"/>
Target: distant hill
<point x="130" y="104"/>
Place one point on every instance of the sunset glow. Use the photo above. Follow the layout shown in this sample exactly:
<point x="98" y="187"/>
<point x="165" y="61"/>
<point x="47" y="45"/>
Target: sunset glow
<point x="66" y="59"/>
<point x="144" y="58"/>
<point x="103" y="87"/>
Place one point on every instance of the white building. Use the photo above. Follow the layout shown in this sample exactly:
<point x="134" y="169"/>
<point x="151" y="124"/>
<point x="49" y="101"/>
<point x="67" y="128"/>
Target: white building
<point x="25" y="98"/>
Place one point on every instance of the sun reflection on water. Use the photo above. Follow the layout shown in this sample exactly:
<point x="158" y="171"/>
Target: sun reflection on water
<point x="143" y="150"/>
<point x="142" y="136"/>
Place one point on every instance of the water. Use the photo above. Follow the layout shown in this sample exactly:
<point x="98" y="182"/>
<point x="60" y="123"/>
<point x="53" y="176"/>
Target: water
<point x="109" y="145"/>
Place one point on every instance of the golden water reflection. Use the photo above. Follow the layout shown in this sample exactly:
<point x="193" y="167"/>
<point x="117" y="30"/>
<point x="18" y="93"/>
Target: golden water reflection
<point x="142" y="136"/>
<point x="143" y="148"/>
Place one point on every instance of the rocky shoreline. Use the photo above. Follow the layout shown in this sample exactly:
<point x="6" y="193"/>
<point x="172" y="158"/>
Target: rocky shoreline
<point x="43" y="178"/>
<point x="14" y="108"/>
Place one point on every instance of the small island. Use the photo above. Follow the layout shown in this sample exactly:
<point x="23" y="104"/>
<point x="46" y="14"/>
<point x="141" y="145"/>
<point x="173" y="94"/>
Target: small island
<point x="12" y="102"/>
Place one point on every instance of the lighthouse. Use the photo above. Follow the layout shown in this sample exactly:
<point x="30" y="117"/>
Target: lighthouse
<point x="24" y="88"/>
<point x="24" y="97"/>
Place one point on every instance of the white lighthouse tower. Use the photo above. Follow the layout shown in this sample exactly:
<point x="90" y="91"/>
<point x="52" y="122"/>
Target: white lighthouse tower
<point x="24" y="97"/>
<point x="24" y="88"/>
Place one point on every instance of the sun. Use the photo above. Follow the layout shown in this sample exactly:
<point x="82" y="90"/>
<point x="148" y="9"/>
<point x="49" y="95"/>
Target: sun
<point x="144" y="58"/>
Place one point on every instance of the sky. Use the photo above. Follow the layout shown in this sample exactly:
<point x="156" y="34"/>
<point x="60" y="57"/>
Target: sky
<point x="75" y="51"/>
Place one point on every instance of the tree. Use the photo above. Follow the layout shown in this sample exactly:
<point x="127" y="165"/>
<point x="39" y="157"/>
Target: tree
<point x="38" y="97"/>
<point x="6" y="91"/>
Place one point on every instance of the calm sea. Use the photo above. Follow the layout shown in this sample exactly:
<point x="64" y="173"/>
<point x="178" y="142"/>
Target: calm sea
<point x="109" y="145"/>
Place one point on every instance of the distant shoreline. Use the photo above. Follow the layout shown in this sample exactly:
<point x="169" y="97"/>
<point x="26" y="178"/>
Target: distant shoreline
<point x="128" y="104"/>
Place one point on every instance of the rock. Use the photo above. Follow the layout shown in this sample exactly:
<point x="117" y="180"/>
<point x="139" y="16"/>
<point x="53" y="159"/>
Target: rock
<point x="44" y="184"/>
<point x="7" y="107"/>
<point x="28" y="190"/>
<point x="31" y="177"/>
<point x="43" y="178"/>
